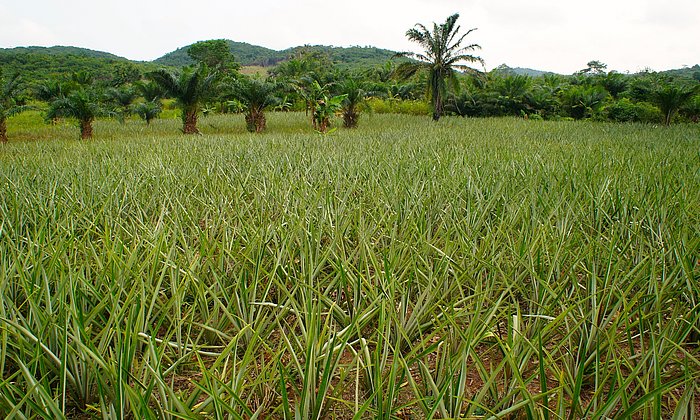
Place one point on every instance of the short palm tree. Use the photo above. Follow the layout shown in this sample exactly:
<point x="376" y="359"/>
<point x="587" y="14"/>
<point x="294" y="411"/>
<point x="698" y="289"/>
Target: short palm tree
<point x="355" y="99"/>
<point x="257" y="96"/>
<point x="10" y="91"/>
<point x="122" y="99"/>
<point x="148" y="110"/>
<point x="83" y="104"/>
<point x="444" y="54"/>
<point x="189" y="88"/>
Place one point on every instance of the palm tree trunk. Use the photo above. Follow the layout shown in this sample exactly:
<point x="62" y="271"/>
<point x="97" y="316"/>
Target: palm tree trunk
<point x="668" y="118"/>
<point x="86" y="129"/>
<point x="350" y="117"/>
<point x="3" y="130"/>
<point x="437" y="86"/>
<point x="190" y="121"/>
<point x="255" y="121"/>
<point x="437" y="105"/>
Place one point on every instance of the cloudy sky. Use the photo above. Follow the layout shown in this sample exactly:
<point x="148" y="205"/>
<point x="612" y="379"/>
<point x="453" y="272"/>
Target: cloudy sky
<point x="555" y="35"/>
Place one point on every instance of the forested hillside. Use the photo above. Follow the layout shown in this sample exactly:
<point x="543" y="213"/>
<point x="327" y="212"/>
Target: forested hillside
<point x="253" y="55"/>
<point x="41" y="63"/>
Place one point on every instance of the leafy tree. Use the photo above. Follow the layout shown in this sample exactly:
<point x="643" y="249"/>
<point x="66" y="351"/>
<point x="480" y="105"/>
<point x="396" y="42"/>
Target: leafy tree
<point x="670" y="98"/>
<point x="355" y="98"/>
<point x="307" y="62"/>
<point x="11" y="90"/>
<point x="190" y="89"/>
<point x="443" y="55"/>
<point x="215" y="54"/>
<point x="83" y="104"/>
<point x="594" y="67"/>
<point x="257" y="96"/>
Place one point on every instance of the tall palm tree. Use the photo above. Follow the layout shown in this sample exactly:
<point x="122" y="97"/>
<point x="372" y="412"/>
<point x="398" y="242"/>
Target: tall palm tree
<point x="444" y="54"/>
<point x="256" y="95"/>
<point x="189" y="88"/>
<point x="10" y="91"/>
<point x="83" y="104"/>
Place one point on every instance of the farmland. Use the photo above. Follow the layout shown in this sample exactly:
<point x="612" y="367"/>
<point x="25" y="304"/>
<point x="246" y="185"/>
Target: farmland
<point x="405" y="269"/>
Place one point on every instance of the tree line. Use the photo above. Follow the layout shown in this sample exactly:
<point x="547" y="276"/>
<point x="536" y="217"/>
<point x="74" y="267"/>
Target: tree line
<point x="437" y="80"/>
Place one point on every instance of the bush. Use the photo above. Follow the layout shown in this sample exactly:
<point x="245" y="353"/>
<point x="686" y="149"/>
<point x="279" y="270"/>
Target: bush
<point x="625" y="110"/>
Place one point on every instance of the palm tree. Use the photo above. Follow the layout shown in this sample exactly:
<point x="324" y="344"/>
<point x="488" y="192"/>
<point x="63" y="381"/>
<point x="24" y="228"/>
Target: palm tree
<point x="10" y="91"/>
<point x="122" y="98"/>
<point x="189" y="88"/>
<point x="670" y="99"/>
<point x="354" y="99"/>
<point x="82" y="104"/>
<point x="149" y="90"/>
<point x="51" y="90"/>
<point x="148" y="110"/>
<point x="257" y="96"/>
<point x="324" y="109"/>
<point x="442" y="57"/>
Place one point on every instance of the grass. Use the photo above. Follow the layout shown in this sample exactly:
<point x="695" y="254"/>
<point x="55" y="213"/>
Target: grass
<point x="494" y="268"/>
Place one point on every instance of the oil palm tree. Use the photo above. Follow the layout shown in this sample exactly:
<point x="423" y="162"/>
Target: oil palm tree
<point x="10" y="103"/>
<point x="51" y="90"/>
<point x="148" y="110"/>
<point x="353" y="102"/>
<point x="189" y="88"/>
<point x="443" y="56"/>
<point x="122" y="99"/>
<point x="256" y="95"/>
<point x="82" y="104"/>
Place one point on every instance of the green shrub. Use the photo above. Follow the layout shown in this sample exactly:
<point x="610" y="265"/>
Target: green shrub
<point x="625" y="110"/>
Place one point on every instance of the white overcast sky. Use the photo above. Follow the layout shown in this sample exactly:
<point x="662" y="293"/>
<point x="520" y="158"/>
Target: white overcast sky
<point x="555" y="35"/>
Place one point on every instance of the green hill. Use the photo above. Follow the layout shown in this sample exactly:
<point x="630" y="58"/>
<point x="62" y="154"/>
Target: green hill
<point x="245" y="54"/>
<point x="38" y="63"/>
<point x="60" y="50"/>
<point x="253" y="55"/>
